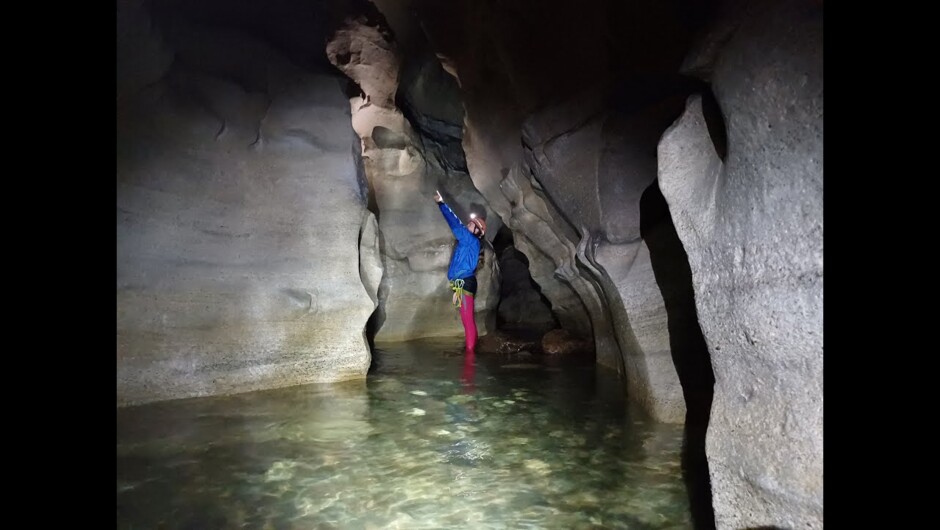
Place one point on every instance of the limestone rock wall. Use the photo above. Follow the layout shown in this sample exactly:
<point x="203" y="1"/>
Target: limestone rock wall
<point x="404" y="167"/>
<point x="241" y="217"/>
<point x="751" y="223"/>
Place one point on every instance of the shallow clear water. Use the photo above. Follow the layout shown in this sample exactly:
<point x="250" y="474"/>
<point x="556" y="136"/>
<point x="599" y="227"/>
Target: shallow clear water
<point x="427" y="441"/>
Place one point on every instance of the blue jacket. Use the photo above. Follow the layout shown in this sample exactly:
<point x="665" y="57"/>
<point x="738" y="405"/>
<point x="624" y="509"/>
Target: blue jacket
<point x="463" y="264"/>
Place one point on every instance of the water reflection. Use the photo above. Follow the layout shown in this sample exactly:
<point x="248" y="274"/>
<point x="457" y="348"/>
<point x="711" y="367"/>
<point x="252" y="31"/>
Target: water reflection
<point x="430" y="440"/>
<point x="469" y="372"/>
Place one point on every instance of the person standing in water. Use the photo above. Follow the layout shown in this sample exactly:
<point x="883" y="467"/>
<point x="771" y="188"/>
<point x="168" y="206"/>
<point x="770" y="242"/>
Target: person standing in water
<point x="463" y="265"/>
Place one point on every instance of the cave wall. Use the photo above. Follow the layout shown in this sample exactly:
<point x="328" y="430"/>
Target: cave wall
<point x="751" y="220"/>
<point x="246" y="256"/>
<point x="548" y="135"/>
<point x="404" y="164"/>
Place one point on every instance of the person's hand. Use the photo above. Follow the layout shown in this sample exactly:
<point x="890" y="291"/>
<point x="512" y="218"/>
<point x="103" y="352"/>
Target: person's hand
<point x="437" y="197"/>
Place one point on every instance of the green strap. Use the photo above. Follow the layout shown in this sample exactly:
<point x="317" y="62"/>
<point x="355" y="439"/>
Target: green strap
<point x="459" y="292"/>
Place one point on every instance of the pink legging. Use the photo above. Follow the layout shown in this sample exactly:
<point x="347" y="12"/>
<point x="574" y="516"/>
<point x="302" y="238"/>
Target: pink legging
<point x="469" y="324"/>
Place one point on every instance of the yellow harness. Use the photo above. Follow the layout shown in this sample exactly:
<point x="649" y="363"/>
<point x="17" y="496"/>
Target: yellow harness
<point x="459" y="292"/>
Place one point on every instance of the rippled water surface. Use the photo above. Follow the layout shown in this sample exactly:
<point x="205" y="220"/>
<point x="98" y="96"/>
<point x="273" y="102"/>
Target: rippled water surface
<point x="427" y="441"/>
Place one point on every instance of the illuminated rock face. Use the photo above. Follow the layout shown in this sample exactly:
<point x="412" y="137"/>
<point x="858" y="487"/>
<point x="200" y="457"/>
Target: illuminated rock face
<point x="404" y="167"/>
<point x="246" y="256"/>
<point x="752" y="224"/>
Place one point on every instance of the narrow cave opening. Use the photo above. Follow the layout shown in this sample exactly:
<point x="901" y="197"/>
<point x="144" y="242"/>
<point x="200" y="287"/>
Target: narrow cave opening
<point x="523" y="309"/>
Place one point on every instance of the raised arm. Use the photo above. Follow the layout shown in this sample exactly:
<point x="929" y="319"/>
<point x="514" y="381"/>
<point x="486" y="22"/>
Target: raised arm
<point x="460" y="231"/>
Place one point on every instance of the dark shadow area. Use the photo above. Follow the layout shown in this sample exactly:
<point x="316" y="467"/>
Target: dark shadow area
<point x="650" y="38"/>
<point x="531" y="312"/>
<point x="298" y="29"/>
<point x="374" y="324"/>
<point x="352" y="89"/>
<point x="372" y="327"/>
<point x="715" y="122"/>
<point x="671" y="91"/>
<point x="689" y="351"/>
<point x="429" y="98"/>
<point x="386" y="138"/>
